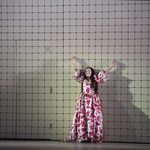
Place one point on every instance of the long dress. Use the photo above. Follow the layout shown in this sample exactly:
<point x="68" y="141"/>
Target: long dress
<point x="87" y="124"/>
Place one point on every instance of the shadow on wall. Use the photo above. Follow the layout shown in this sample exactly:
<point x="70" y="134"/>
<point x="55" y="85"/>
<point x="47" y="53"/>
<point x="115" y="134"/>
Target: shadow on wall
<point x="83" y="63"/>
<point x="123" y="121"/>
<point x="30" y="111"/>
<point x="36" y="103"/>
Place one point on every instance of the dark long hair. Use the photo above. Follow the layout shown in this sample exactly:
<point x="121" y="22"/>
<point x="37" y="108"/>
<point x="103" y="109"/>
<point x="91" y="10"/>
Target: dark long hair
<point x="93" y="82"/>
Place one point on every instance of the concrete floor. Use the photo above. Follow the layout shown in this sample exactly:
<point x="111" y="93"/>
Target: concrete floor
<point x="46" y="145"/>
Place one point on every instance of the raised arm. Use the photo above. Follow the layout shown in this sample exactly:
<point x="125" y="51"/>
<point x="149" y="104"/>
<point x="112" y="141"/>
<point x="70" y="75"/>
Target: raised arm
<point x="78" y="75"/>
<point x="112" y="67"/>
<point x="75" y="63"/>
<point x="102" y="76"/>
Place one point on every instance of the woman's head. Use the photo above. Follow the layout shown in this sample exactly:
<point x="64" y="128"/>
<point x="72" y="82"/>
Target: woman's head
<point x="89" y="72"/>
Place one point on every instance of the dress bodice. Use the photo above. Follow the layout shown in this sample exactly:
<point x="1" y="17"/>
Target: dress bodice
<point x="87" y="87"/>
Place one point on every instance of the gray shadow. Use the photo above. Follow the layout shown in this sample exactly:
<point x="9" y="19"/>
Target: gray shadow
<point x="123" y="121"/>
<point x="82" y="62"/>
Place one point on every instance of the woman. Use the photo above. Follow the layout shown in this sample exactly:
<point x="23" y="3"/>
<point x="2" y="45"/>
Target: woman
<point x="87" y="125"/>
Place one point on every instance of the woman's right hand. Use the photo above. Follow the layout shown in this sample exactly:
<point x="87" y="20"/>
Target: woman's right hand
<point x="74" y="58"/>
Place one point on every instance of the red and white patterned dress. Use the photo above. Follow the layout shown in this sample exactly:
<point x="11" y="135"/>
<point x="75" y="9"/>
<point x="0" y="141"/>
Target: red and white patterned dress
<point x="87" y="122"/>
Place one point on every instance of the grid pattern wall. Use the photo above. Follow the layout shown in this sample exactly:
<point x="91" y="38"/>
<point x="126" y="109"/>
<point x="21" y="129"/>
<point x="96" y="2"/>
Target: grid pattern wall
<point x="38" y="39"/>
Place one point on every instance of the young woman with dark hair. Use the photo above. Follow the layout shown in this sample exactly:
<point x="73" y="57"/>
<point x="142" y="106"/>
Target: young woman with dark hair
<point x="87" y="125"/>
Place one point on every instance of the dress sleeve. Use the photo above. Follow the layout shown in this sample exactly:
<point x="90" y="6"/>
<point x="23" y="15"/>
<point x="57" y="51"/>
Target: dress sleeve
<point x="78" y="75"/>
<point x="101" y="77"/>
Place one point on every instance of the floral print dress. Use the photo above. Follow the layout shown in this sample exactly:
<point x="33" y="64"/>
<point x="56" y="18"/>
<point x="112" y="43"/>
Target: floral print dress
<point x="87" y="124"/>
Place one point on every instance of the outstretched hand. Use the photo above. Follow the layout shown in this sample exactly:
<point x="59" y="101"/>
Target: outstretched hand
<point x="74" y="57"/>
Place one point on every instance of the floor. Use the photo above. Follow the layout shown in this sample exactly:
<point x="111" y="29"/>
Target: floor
<point x="46" y="145"/>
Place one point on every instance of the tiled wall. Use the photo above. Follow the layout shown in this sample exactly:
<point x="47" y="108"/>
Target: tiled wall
<point x="38" y="39"/>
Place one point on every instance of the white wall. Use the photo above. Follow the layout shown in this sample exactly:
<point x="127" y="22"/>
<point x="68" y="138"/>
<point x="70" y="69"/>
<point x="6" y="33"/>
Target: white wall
<point x="38" y="39"/>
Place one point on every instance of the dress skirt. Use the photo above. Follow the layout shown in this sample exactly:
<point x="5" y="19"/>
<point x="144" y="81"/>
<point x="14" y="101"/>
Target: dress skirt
<point x="87" y="124"/>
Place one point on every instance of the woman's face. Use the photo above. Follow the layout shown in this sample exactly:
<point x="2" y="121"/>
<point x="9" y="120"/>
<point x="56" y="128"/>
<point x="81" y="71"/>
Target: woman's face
<point x="88" y="72"/>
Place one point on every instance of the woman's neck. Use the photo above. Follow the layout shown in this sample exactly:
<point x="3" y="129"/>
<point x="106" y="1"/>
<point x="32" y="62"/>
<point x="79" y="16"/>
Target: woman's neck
<point x="88" y="79"/>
